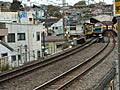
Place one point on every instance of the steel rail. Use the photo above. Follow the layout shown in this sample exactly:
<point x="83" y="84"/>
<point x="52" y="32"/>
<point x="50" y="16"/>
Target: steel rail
<point x="39" y="64"/>
<point x="51" y="82"/>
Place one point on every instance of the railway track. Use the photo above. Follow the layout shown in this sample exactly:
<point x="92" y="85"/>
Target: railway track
<point x="62" y="81"/>
<point x="39" y="64"/>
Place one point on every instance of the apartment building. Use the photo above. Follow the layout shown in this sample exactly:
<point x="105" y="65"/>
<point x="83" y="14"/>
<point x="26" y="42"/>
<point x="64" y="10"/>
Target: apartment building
<point x="20" y="43"/>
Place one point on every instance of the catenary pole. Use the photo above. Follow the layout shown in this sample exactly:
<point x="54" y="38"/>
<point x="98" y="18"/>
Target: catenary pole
<point x="63" y="16"/>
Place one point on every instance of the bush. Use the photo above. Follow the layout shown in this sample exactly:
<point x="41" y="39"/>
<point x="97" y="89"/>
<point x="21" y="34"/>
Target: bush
<point x="4" y="67"/>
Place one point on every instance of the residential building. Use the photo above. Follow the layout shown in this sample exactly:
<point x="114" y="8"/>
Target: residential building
<point x="25" y="39"/>
<point x="37" y="12"/>
<point x="22" y="17"/>
<point x="53" y="44"/>
<point x="57" y="27"/>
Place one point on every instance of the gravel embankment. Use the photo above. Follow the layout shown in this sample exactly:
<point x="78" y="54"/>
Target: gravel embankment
<point x="35" y="78"/>
<point x="95" y="75"/>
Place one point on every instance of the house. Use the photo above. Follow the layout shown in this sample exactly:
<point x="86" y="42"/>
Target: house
<point x="72" y="30"/>
<point x="57" y="27"/>
<point x="53" y="44"/>
<point x="37" y="12"/>
<point x="24" y="39"/>
<point x="48" y="22"/>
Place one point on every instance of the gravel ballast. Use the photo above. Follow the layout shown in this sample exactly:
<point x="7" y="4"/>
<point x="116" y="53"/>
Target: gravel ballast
<point x="95" y="75"/>
<point x="36" y="78"/>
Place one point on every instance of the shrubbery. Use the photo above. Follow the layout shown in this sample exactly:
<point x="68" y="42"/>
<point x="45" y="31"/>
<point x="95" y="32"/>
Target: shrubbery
<point x="4" y="67"/>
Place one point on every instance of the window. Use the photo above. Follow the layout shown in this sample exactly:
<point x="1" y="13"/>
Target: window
<point x="38" y="54"/>
<point x="59" y="45"/>
<point x="30" y="19"/>
<point x="72" y="28"/>
<point x="53" y="27"/>
<point x="13" y="58"/>
<point x="56" y="28"/>
<point x="38" y="36"/>
<point x="4" y="54"/>
<point x="11" y="37"/>
<point x="14" y="21"/>
<point x="21" y="36"/>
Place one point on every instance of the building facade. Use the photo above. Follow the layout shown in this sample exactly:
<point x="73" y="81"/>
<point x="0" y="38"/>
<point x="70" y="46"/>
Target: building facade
<point x="25" y="39"/>
<point x="22" y="17"/>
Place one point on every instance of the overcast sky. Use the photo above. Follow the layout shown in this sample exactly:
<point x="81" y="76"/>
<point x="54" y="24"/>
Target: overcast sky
<point x="70" y="2"/>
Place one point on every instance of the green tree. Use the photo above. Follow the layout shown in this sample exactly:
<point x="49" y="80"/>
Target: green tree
<point x="15" y="6"/>
<point x="80" y="3"/>
<point x="54" y="11"/>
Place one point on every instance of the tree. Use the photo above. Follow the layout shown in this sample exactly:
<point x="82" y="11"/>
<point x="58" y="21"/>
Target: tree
<point x="16" y="6"/>
<point x="54" y="11"/>
<point x="80" y="3"/>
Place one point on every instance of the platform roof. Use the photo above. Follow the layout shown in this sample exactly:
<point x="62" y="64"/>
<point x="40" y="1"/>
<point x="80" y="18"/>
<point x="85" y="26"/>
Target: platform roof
<point x="102" y="18"/>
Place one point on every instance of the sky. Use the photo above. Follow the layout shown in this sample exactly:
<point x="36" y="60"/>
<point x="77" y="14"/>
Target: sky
<point x="70" y="2"/>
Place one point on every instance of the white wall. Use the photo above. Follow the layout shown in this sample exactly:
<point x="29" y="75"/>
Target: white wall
<point x="3" y="50"/>
<point x="59" y="24"/>
<point x="30" y="41"/>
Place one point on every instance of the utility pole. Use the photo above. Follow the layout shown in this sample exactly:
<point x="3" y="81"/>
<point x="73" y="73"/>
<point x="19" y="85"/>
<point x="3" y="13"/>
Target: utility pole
<point x="43" y="49"/>
<point x="25" y="53"/>
<point x="46" y="18"/>
<point x="63" y="16"/>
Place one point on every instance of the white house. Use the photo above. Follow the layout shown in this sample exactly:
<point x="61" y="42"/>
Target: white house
<point x="38" y="13"/>
<point x="57" y="27"/>
<point x="25" y="39"/>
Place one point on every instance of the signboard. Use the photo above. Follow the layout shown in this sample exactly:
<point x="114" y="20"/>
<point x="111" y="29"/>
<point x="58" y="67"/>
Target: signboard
<point x="117" y="7"/>
<point x="22" y="14"/>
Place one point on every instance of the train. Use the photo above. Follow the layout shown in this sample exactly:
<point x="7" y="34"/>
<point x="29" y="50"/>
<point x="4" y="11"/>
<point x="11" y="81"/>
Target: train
<point x="93" y="29"/>
<point x="98" y="29"/>
<point x="88" y="29"/>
